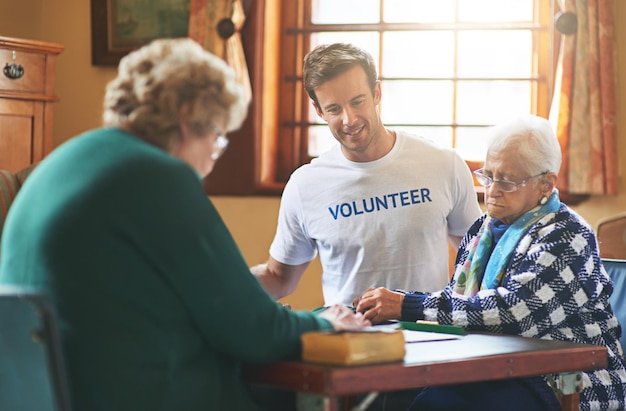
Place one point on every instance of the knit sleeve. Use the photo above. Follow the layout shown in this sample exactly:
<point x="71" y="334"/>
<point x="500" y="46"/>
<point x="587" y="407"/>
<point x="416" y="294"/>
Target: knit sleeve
<point x="412" y="306"/>
<point x="552" y="286"/>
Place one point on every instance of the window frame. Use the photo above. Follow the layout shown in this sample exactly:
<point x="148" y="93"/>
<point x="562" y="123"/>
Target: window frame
<point x="263" y="154"/>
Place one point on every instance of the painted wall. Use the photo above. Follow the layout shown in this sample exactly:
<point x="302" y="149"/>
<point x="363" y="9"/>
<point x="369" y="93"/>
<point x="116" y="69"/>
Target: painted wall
<point x="251" y="219"/>
<point x="22" y="19"/>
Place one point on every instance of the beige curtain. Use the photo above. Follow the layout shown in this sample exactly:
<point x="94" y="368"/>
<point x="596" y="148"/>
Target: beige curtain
<point x="583" y="108"/>
<point x="216" y="25"/>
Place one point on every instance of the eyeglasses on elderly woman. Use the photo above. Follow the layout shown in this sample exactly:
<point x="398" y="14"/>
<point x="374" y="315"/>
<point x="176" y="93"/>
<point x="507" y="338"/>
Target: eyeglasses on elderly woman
<point x="221" y="143"/>
<point x="503" y="185"/>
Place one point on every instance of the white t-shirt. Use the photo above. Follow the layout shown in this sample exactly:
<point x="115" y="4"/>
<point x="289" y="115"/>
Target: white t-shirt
<point x="380" y="223"/>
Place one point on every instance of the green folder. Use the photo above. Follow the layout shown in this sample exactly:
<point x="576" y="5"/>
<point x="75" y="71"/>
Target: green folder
<point x="431" y="327"/>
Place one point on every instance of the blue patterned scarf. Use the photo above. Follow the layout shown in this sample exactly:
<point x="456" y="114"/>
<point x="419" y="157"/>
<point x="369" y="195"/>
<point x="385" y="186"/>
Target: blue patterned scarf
<point x="487" y="259"/>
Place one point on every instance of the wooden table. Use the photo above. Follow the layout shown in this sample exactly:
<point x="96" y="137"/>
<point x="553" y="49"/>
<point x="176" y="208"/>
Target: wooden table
<point x="471" y="358"/>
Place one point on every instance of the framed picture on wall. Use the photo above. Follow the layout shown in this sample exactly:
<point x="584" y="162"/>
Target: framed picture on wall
<point x="120" y="26"/>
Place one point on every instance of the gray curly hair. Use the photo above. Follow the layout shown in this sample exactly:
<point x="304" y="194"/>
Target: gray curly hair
<point x="155" y="81"/>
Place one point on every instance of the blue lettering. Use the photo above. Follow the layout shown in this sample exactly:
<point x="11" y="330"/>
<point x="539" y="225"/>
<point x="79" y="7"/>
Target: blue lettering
<point x="393" y="198"/>
<point x="404" y="198"/>
<point x="356" y="211"/>
<point x="345" y="206"/>
<point x="368" y="210"/>
<point x="415" y="197"/>
<point x="379" y="203"/>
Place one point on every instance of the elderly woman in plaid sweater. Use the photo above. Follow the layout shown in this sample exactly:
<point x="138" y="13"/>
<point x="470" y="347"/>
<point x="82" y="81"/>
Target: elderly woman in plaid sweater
<point x="529" y="266"/>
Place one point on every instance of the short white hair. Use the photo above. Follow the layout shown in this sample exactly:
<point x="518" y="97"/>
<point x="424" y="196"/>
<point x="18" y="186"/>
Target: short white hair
<point x="534" y="141"/>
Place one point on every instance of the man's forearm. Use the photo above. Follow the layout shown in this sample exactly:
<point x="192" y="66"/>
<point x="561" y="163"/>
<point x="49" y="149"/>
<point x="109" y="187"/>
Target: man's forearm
<point x="273" y="285"/>
<point x="278" y="279"/>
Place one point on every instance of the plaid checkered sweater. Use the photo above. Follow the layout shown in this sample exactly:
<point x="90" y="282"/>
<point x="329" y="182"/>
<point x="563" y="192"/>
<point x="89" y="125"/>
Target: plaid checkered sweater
<point x="554" y="288"/>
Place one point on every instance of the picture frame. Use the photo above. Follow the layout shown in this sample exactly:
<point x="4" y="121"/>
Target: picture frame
<point x="120" y="26"/>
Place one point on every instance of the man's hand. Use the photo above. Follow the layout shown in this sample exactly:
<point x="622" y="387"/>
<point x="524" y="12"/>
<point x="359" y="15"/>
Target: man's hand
<point x="343" y="318"/>
<point x="380" y="304"/>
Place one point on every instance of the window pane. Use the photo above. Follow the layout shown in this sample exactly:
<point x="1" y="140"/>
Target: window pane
<point x="487" y="102"/>
<point x="439" y="135"/>
<point x="441" y="82"/>
<point x="424" y="58"/>
<point x="320" y="140"/>
<point x="344" y="11"/>
<point x="501" y="53"/>
<point x="367" y="40"/>
<point x="496" y="10"/>
<point x="418" y="11"/>
<point x="471" y="143"/>
<point x="417" y="102"/>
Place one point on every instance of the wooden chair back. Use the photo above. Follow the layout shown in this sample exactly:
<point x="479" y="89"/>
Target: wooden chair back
<point x="611" y="235"/>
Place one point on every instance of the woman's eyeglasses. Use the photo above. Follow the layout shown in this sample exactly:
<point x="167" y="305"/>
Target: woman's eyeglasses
<point x="503" y="185"/>
<point x="220" y="144"/>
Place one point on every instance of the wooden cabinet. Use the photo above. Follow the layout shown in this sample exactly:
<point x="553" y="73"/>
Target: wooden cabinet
<point x="26" y="99"/>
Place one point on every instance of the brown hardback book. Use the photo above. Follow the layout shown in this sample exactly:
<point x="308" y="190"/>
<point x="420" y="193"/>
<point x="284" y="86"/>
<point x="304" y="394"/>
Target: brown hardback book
<point x="353" y="347"/>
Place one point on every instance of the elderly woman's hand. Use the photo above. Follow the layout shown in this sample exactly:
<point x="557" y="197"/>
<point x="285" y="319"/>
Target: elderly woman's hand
<point x="380" y="304"/>
<point x="342" y="318"/>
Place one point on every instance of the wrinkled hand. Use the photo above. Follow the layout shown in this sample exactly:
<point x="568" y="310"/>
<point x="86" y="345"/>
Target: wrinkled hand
<point x="342" y="318"/>
<point x="380" y="304"/>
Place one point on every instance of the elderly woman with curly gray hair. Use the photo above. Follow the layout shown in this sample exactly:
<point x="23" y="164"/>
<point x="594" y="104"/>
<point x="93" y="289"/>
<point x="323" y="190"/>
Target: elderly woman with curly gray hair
<point x="157" y="307"/>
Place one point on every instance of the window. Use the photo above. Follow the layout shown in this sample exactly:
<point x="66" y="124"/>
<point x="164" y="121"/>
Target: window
<point x="448" y="69"/>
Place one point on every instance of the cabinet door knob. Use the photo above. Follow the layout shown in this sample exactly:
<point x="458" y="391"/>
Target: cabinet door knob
<point x="13" y="71"/>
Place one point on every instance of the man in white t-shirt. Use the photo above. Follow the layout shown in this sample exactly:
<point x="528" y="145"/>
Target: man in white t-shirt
<point x="378" y="208"/>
